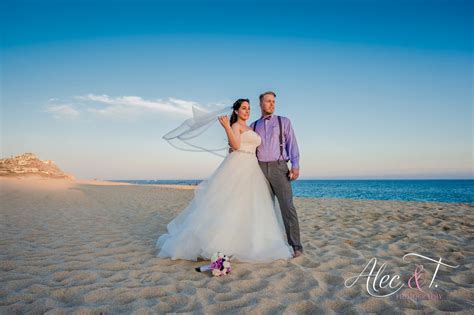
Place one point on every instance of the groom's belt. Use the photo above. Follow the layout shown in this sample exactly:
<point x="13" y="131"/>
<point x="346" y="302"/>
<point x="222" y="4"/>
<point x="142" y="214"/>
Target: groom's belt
<point x="274" y="162"/>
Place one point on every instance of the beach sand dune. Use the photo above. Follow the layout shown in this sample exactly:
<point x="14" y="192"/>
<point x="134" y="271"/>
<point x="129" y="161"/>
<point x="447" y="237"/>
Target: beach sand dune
<point x="82" y="247"/>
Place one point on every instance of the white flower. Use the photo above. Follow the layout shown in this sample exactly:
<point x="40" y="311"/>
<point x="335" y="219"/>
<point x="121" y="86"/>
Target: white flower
<point x="216" y="272"/>
<point x="226" y="264"/>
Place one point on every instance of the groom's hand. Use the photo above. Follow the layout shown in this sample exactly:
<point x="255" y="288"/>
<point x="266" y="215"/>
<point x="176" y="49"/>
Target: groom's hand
<point x="294" y="173"/>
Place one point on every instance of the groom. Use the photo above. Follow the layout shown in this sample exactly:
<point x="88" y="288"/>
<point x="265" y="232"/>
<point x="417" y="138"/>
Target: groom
<point x="273" y="154"/>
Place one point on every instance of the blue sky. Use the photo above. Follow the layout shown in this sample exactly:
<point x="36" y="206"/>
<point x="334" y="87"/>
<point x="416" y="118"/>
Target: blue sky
<point x="375" y="89"/>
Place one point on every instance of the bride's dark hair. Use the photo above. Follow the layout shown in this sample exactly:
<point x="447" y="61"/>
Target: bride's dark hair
<point x="236" y="106"/>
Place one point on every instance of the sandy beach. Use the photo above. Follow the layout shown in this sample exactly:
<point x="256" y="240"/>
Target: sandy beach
<point x="86" y="247"/>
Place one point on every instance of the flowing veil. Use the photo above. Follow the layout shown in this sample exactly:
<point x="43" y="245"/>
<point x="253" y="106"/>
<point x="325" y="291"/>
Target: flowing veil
<point x="201" y="133"/>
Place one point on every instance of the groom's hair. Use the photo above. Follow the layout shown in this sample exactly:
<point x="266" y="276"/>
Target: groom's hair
<point x="265" y="93"/>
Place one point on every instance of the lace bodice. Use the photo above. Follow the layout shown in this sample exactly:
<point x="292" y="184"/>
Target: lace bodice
<point x="249" y="141"/>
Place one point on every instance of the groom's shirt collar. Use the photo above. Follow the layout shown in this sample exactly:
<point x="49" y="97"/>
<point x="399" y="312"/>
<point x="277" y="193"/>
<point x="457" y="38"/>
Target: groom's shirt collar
<point x="267" y="117"/>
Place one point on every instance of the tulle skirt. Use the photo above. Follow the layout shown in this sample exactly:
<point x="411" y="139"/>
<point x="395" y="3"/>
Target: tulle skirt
<point x="233" y="212"/>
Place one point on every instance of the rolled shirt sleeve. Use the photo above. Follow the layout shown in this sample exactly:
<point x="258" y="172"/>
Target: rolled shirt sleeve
<point x="292" y="146"/>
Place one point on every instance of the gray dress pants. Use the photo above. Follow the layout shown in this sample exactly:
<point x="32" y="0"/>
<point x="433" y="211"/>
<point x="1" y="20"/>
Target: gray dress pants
<point x="276" y="173"/>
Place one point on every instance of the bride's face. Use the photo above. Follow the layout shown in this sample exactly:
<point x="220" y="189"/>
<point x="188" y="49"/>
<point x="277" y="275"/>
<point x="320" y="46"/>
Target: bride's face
<point x="244" y="111"/>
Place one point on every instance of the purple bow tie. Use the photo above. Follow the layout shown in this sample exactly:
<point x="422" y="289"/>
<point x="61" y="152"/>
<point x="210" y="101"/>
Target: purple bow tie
<point x="268" y="117"/>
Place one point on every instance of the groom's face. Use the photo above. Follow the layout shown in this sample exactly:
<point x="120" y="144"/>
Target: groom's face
<point x="268" y="104"/>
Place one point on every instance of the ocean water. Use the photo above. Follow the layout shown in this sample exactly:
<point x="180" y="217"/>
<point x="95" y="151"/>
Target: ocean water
<point x="406" y="190"/>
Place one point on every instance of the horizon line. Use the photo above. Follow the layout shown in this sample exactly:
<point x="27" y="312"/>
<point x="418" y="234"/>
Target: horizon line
<point x="195" y="179"/>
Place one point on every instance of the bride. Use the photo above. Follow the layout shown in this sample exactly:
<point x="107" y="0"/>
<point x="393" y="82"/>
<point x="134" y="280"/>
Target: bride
<point x="232" y="211"/>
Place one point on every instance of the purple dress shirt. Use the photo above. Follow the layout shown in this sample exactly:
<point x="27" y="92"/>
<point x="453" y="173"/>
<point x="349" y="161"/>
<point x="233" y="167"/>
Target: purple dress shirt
<point x="269" y="131"/>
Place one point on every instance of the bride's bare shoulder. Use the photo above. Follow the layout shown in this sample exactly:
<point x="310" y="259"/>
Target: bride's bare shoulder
<point x="236" y="128"/>
<point x="239" y="129"/>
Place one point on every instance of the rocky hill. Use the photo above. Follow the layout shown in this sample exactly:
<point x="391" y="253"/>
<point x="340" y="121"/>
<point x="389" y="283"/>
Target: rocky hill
<point x="28" y="164"/>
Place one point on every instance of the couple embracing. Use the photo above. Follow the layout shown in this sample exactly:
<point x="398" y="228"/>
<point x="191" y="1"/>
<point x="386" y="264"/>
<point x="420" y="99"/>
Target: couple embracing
<point x="235" y="210"/>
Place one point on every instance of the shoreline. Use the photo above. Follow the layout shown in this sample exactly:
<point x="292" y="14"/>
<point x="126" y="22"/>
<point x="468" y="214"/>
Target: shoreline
<point x="35" y="183"/>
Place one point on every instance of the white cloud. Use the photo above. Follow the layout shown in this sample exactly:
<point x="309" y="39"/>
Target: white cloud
<point x="63" y="111"/>
<point x="120" y="106"/>
<point x="114" y="111"/>
<point x="117" y="104"/>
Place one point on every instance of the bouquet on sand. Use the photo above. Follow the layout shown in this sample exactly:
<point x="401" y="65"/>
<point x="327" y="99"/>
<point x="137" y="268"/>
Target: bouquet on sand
<point x="220" y="265"/>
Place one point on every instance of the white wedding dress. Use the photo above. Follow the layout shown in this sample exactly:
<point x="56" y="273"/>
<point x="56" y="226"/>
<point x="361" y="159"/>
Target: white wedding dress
<point x="232" y="212"/>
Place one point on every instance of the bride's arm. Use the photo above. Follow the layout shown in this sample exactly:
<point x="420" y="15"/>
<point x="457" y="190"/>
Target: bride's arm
<point x="233" y="133"/>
